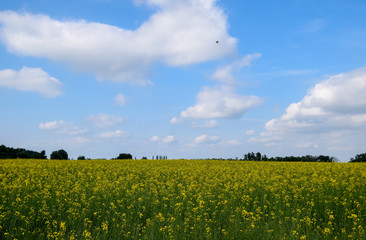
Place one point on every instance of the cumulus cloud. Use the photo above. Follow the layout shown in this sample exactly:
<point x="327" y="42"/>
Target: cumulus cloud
<point x="113" y="134"/>
<point x="62" y="127"/>
<point x="167" y="139"/>
<point x="206" y="139"/>
<point x="175" y="120"/>
<point x="220" y="102"/>
<point x="334" y="109"/>
<point x="51" y="125"/>
<point x="120" y="100"/>
<point x="155" y="139"/>
<point x="31" y="79"/>
<point x="179" y="33"/>
<point x="102" y="120"/>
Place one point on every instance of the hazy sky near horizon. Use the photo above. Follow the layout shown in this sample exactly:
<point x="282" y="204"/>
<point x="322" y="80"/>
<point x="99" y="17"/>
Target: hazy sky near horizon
<point x="148" y="77"/>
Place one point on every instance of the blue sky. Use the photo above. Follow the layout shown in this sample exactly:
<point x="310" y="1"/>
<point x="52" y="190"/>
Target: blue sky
<point x="102" y="77"/>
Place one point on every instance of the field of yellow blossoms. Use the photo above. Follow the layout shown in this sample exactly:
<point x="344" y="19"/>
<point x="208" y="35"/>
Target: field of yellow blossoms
<point x="181" y="199"/>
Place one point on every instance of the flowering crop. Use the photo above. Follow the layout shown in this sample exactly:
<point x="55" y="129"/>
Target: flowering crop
<point x="181" y="199"/>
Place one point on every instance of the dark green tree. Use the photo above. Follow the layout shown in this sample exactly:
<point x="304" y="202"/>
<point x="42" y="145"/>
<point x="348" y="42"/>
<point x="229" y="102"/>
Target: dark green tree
<point x="251" y="156"/>
<point x="43" y="154"/>
<point x="81" y="158"/>
<point x="359" y="158"/>
<point x="323" y="158"/>
<point x="124" y="156"/>
<point x="59" y="155"/>
<point x="11" y="153"/>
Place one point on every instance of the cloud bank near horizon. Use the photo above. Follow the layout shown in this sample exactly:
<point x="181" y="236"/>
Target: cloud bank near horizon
<point x="329" y="116"/>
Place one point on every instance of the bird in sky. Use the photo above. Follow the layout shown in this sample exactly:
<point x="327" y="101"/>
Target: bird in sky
<point x="217" y="41"/>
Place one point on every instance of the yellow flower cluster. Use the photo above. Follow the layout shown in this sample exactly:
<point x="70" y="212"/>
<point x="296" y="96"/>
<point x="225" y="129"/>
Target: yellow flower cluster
<point x="181" y="199"/>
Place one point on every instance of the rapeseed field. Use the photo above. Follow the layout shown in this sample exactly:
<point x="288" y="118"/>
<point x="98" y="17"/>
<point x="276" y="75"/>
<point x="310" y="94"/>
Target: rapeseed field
<point x="181" y="199"/>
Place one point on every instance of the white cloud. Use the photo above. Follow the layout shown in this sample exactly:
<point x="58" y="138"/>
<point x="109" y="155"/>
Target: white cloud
<point x="175" y="120"/>
<point x="160" y="3"/>
<point x="120" y="100"/>
<point x="167" y="139"/>
<point x="220" y="102"/>
<point x="102" y="120"/>
<point x="206" y="139"/>
<point x="62" y="127"/>
<point x="331" y="115"/>
<point x="51" y="125"/>
<point x="113" y="134"/>
<point x="31" y="79"/>
<point x="225" y="73"/>
<point x="155" y="139"/>
<point x="179" y="33"/>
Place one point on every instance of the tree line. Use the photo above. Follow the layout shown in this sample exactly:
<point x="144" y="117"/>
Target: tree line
<point x="13" y="153"/>
<point x="251" y="156"/>
<point x="8" y="152"/>
<point x="359" y="158"/>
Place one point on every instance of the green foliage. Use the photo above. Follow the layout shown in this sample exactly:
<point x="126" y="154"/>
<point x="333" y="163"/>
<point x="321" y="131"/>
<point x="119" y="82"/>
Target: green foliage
<point x="359" y="158"/>
<point x="81" y="158"/>
<point x="251" y="156"/>
<point x="124" y="156"/>
<point x="12" y="153"/>
<point x="59" y="155"/>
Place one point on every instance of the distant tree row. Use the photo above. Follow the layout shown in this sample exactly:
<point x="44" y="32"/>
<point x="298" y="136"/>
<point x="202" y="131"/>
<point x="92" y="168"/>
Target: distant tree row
<point x="13" y="153"/>
<point x="308" y="158"/>
<point x="359" y="158"/>
<point x="251" y="156"/>
<point x="159" y="157"/>
<point x="10" y="153"/>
